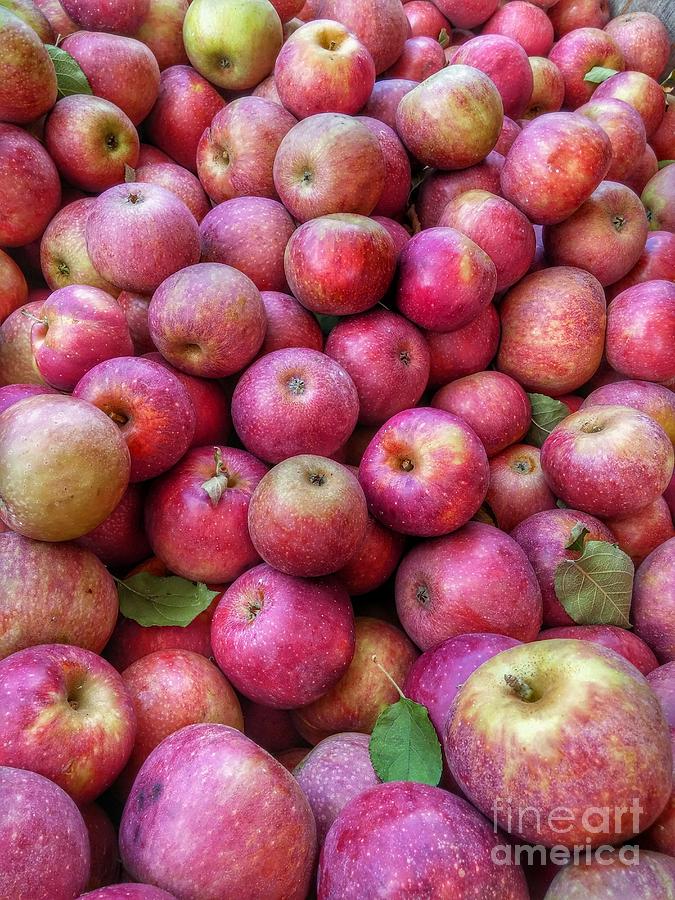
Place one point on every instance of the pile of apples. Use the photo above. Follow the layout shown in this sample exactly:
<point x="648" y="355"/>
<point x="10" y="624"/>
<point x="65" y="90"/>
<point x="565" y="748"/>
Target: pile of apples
<point x="282" y="285"/>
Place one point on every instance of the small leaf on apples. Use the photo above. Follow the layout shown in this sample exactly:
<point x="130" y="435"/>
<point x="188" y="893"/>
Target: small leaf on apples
<point x="129" y="174"/>
<point x="596" y="588"/>
<point x="598" y="74"/>
<point x="327" y="323"/>
<point x="546" y="414"/>
<point x="577" y="540"/>
<point x="70" y="78"/>
<point x="153" y="600"/>
<point x="404" y="745"/>
<point x="561" y="504"/>
<point x="444" y="38"/>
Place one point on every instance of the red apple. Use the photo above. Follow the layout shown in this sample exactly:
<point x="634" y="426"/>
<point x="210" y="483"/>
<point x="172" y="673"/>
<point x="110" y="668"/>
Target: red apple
<point x="640" y="91"/>
<point x="663" y="139"/>
<point x="270" y="728"/>
<point x="13" y="393"/>
<point x="105" y="864"/>
<point x="644" y="530"/>
<point x="381" y="25"/>
<point x="124" y="16"/>
<point x="267" y="90"/>
<point x="13" y="287"/>
<point x="135" y="308"/>
<point x="465" y="14"/>
<point x="548" y="88"/>
<point x="120" y="539"/>
<point x="32" y="15"/>
<point x="517" y="487"/>
<point x="663" y="684"/>
<point x="439" y="188"/>
<point x="573" y="14"/>
<point x="162" y="31"/>
<point x="59" y="20"/>
<point x="658" y="197"/>
<point x="180" y="182"/>
<point x="287" y="9"/>
<point x="508" y="134"/>
<point x="641" y="331"/>
<point x="385" y="97"/>
<point x="289" y="324"/>
<point x="645" y="169"/>
<point x="394" y="197"/>
<point x="375" y="560"/>
<point x="420" y="58"/>
<point x="464" y="351"/>
<point x="625" y="130"/>
<point x="294" y="401"/>
<point x="424" y="473"/>
<point x="28" y="86"/>
<point x="426" y="19"/>
<point x="17" y="363"/>
<point x="655" y="400"/>
<point x="621" y="641"/>
<point x="654" y="601"/>
<point x="505" y="61"/>
<point x="525" y="23"/>
<point x="643" y="40"/>
<point x="656" y="262"/>
<point x="579" y="51"/>
<point x="397" y="232"/>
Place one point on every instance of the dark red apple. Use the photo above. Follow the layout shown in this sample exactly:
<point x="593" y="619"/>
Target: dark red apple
<point x="375" y="560"/>
<point x="621" y="641"/>
<point x="289" y="324"/>
<point x="656" y="262"/>
<point x="13" y="286"/>
<point x="120" y="540"/>
<point x="517" y="487"/>
<point x="124" y="16"/>
<point x="270" y="728"/>
<point x="663" y="139"/>
<point x="572" y="14"/>
<point x="398" y="184"/>
<point x="105" y="864"/>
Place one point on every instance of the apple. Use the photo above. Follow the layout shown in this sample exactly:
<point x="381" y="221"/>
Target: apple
<point x="397" y="232"/>
<point x="444" y="279"/>
<point x="45" y="847"/>
<point x="621" y="641"/>
<point x="289" y="324"/>
<point x="162" y="31"/>
<point x="505" y="61"/>
<point x="657" y="261"/>
<point x="180" y="182"/>
<point x="669" y="496"/>
<point x="310" y="165"/>
<point x="439" y="188"/>
<point x="28" y="87"/>
<point x="608" y="460"/>
<point x="17" y="363"/>
<point x="294" y="401"/>
<point x="641" y="331"/>
<point x="465" y="351"/>
<point x="525" y="23"/>
<point x="128" y="892"/>
<point x="235" y="155"/>
<point x="385" y="97"/>
<point x="658" y="197"/>
<point x="87" y="474"/>
<point x="420" y="58"/>
<point x="13" y="287"/>
<point x="53" y="592"/>
<point x="508" y="134"/>
<point x="662" y="682"/>
<point x="610" y="712"/>
<point x="185" y="106"/>
<point x="654" y="600"/>
<point x="357" y="700"/>
<point x="645" y="169"/>
<point x="651" y="873"/>
<point x="381" y="26"/>
<point x="169" y="690"/>
<point x="30" y="190"/>
<point x="424" y="473"/>
<point x="387" y="359"/>
<point x="59" y="21"/>
<point x="579" y="51"/>
<point x="625" y="130"/>
<point x="644" y="530"/>
<point x="339" y="264"/>
<point x="323" y="67"/>
<point x="464" y="14"/>
<point x="32" y="15"/>
<point x="65" y="715"/>
<point x="570" y="15"/>
<point x="119" y="69"/>
<point x="135" y="308"/>
<point x="102" y="833"/>
<point x="452" y="120"/>
<point x="398" y="184"/>
<point x="498" y="227"/>
<point x="283" y="641"/>
<point x="640" y="91"/>
<point x="548" y="87"/>
<point x="550" y="345"/>
<point x="643" y="40"/>
<point x="207" y="320"/>
<point x="13" y="393"/>
<point x="267" y="90"/>
<point x="663" y="139"/>
<point x="414" y="838"/>
<point x="270" y="728"/>
<point x="196" y="514"/>
<point x="223" y="783"/>
<point x="443" y="588"/>
<point x="232" y="44"/>
<point x="288" y="9"/>
<point x="517" y="487"/>
<point x="124" y="17"/>
<point x="120" y="539"/>
<point x="655" y="400"/>
<point x="554" y="165"/>
<point x="375" y="560"/>
<point x="425" y="19"/>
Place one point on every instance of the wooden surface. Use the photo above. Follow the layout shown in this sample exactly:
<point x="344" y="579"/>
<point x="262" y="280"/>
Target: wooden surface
<point x="664" y="9"/>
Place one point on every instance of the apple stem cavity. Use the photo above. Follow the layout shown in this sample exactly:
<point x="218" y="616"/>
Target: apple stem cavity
<point x="387" y="675"/>
<point x="520" y="688"/>
<point x="219" y="481"/>
<point x="34" y="318"/>
<point x="407" y="465"/>
<point x="296" y="385"/>
<point x="422" y="595"/>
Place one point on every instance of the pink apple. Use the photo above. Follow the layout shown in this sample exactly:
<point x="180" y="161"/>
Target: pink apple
<point x="385" y="97"/>
<point x="464" y="351"/>
<point x="28" y="88"/>
<point x="123" y="17"/>
<point x="654" y="601"/>
<point x="641" y="331"/>
<point x="655" y="400"/>
<point x="267" y="90"/>
<point x="120" y="539"/>
<point x="420" y="58"/>
<point x="294" y="401"/>
<point x="180" y="182"/>
<point x="517" y="488"/>
<point x="574" y="14"/>
<point x="289" y="324"/>
<point x="641" y="91"/>
<point x="643" y="40"/>
<point x="621" y="641"/>
<point x="397" y="232"/>
<point x="579" y="51"/>
<point x="548" y="88"/>
<point x="425" y="18"/>
<point x="525" y="23"/>
<point x="625" y="130"/>
<point x="439" y="188"/>
<point x="381" y="26"/>
<point x="270" y="728"/>
<point x="162" y="31"/>
<point x="657" y="261"/>
<point x="17" y="363"/>
<point x="508" y="134"/>
<point x="283" y="641"/>
<point x="465" y="14"/>
<point x="505" y="61"/>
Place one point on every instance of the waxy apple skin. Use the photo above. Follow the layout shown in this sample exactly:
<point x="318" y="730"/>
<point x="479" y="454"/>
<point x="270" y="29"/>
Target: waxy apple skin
<point x="506" y="63"/>
<point x="465" y="351"/>
<point x="621" y="641"/>
<point x="654" y="601"/>
<point x="641" y="331"/>
<point x="548" y="89"/>
<point x="381" y="25"/>
<point x="625" y="130"/>
<point x="398" y="184"/>
<point x="439" y="188"/>
<point x="579" y="51"/>
<point x="124" y="16"/>
<point x="643" y="531"/>
<point x="289" y="324"/>
<point x="28" y="85"/>
<point x="655" y="400"/>
<point x="17" y="363"/>
<point x="120" y="540"/>
<point x="517" y="488"/>
<point x="521" y="761"/>
<point x="385" y="97"/>
<point x="657" y="262"/>
<point x="641" y="91"/>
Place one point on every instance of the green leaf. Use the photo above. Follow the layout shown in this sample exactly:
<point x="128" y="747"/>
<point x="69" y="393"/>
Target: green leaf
<point x="444" y="38"/>
<point x="577" y="540"/>
<point x="404" y="745"/>
<point x="546" y="414"/>
<point x="561" y="504"/>
<point x="70" y="78"/>
<point x="598" y="74"/>
<point x="596" y="588"/>
<point x="151" y="600"/>
<point x="327" y="323"/>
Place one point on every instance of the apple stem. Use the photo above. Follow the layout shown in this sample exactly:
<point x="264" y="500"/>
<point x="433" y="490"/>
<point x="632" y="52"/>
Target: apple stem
<point x="520" y="687"/>
<point x="387" y="676"/>
<point x="29" y="315"/>
<point x="218" y="482"/>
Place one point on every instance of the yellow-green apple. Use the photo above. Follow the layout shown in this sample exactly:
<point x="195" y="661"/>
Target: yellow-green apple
<point x="641" y="91"/>
<point x="357" y="700"/>
<point x="644" y="530"/>
<point x="544" y="537"/>
<point x="250" y="234"/>
<point x="397" y="187"/>
<point x="385" y="97"/>
<point x="464" y="351"/>
<point x="88" y="469"/>
<point x="17" y="363"/>
<point x="283" y="641"/>
<point x="570" y="15"/>
<point x="179" y="181"/>
<point x="425" y="19"/>
<point x="91" y="141"/>
<point x="31" y="14"/>
<point x="170" y="236"/>
<point x="45" y="848"/>
<point x="467" y="14"/>
<point x="222" y="783"/>
<point x="65" y="715"/>
<point x="596" y="460"/>
<point x="415" y="838"/>
<point x="339" y="264"/>
<point x="548" y="88"/>
<point x="387" y="359"/>
<point x="196" y="515"/>
<point x="289" y="324"/>
<point x="443" y="590"/>
<point x="420" y="58"/>
<point x="207" y="320"/>
<point x="170" y="689"/>
<point x="439" y="188"/>
<point x="105" y="863"/>
<point x="294" y="401"/>
<point x="624" y="128"/>
<point x="643" y="40"/>
<point x="76" y="328"/>
<point x="270" y="728"/>
<point x="655" y="400"/>
<point x="424" y="473"/>
<point x="453" y="119"/>
<point x="506" y="63"/>
<point x="120" y="540"/>
<point x="498" y="227"/>
<point x="658" y="197"/>
<point x="30" y="190"/>
<point x="53" y="592"/>
<point x="28" y="85"/>
<point x="232" y="44"/>
<point x="517" y="487"/>
<point x="313" y="159"/>
<point x="236" y="153"/>
<point x="162" y="31"/>
<point x="549" y="344"/>
<point x="13" y="286"/>
<point x="151" y="407"/>
<point x="579" y="51"/>
<point x="641" y="331"/>
<point x="656" y="262"/>
<point x="185" y="106"/>
<point x="323" y="67"/>
<point x="554" y="165"/>
<point x="307" y="516"/>
<point x="573" y="702"/>
<point x="525" y="23"/>
<point x="449" y="301"/>
<point x="654" y="601"/>
<point x="381" y="25"/>
<point x="118" y="68"/>
<point x="123" y="17"/>
<point x="620" y="640"/>
<point x="663" y="139"/>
